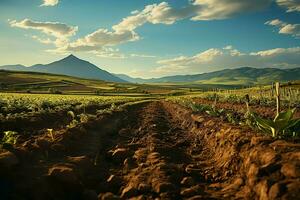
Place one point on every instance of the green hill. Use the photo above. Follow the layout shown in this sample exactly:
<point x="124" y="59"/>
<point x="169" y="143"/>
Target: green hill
<point x="240" y="76"/>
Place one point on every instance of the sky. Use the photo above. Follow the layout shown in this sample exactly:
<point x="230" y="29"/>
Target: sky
<point x="152" y="38"/>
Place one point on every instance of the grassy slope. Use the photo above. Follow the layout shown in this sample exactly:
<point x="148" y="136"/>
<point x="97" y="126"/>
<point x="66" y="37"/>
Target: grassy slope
<point x="41" y="82"/>
<point x="235" y="77"/>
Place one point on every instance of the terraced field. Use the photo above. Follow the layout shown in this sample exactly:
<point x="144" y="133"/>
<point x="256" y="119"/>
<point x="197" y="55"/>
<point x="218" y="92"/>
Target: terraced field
<point x="153" y="149"/>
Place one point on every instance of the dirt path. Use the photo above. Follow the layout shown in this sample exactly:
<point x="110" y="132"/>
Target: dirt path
<point x="156" y="150"/>
<point x="155" y="158"/>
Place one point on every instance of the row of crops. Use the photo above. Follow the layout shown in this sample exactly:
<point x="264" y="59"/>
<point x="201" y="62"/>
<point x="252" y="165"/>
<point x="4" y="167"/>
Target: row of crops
<point x="31" y="103"/>
<point x="285" y="124"/>
<point x="263" y="95"/>
<point x="29" y="115"/>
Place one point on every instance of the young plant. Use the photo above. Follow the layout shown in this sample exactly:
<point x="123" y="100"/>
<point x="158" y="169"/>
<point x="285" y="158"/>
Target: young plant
<point x="50" y="133"/>
<point x="281" y="126"/>
<point x="9" y="138"/>
<point x="73" y="122"/>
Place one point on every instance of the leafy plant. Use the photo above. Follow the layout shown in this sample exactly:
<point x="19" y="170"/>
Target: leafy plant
<point x="215" y="112"/>
<point x="9" y="138"/>
<point x="199" y="107"/>
<point x="282" y="125"/>
<point x="232" y="118"/>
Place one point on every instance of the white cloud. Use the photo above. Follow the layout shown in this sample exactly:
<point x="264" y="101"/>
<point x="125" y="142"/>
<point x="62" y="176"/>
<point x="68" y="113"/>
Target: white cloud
<point x="42" y="40"/>
<point x="216" y="9"/>
<point x="290" y="5"/>
<point x="161" y="13"/>
<point x="102" y="38"/>
<point x="142" y="55"/>
<point x="228" y="57"/>
<point x="55" y="29"/>
<point x="50" y="2"/>
<point x="285" y="28"/>
<point x="278" y="52"/>
<point x="61" y="32"/>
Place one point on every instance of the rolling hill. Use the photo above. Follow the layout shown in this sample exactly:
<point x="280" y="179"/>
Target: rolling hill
<point x="239" y="76"/>
<point x="45" y="83"/>
<point x="71" y="66"/>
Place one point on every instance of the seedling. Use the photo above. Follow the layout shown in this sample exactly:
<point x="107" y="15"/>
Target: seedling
<point x="50" y="133"/>
<point x="9" y="138"/>
<point x="283" y="123"/>
<point x="71" y="114"/>
<point x="280" y="126"/>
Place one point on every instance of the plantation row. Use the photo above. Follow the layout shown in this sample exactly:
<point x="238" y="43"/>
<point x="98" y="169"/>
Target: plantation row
<point x="263" y="96"/>
<point x="29" y="103"/>
<point x="23" y="116"/>
<point x="285" y="124"/>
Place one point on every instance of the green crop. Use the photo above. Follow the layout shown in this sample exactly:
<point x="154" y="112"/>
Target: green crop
<point x="282" y="125"/>
<point x="9" y="138"/>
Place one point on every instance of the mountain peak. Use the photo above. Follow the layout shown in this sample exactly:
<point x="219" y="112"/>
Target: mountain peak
<point x="71" y="59"/>
<point x="71" y="56"/>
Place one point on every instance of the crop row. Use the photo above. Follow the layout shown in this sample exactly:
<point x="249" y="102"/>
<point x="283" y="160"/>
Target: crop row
<point x="264" y="96"/>
<point x="284" y="125"/>
<point x="11" y="104"/>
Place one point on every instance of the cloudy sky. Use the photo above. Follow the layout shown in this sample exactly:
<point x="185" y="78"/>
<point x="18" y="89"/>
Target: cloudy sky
<point x="151" y="38"/>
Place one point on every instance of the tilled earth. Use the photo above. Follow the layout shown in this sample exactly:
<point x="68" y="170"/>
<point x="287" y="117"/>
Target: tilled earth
<point x="156" y="150"/>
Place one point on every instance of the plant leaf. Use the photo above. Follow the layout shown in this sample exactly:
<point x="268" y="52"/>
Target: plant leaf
<point x="285" y="116"/>
<point x="264" y="123"/>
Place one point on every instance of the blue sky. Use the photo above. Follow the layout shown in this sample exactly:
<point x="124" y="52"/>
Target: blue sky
<point x="159" y="38"/>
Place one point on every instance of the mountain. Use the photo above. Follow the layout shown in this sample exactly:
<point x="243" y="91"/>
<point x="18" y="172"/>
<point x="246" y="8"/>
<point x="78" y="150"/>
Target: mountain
<point x="129" y="78"/>
<point x="14" y="67"/>
<point x="71" y="66"/>
<point x="239" y="76"/>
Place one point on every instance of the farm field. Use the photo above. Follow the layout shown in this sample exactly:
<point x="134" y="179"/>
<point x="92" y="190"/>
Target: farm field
<point x="197" y="146"/>
<point x="150" y="100"/>
<point x="45" y="83"/>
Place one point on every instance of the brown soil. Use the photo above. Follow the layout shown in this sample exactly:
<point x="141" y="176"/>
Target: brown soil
<point x="156" y="150"/>
<point x="30" y="124"/>
<point x="264" y="111"/>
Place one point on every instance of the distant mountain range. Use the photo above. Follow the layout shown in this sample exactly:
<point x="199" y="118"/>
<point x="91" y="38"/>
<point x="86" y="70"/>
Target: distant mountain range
<point x="239" y="76"/>
<point x="73" y="66"/>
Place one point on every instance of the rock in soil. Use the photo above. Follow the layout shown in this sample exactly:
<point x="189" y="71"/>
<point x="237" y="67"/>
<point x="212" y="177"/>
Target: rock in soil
<point x="63" y="173"/>
<point x="290" y="170"/>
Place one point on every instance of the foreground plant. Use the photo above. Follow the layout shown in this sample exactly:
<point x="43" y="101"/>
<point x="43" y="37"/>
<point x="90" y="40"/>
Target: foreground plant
<point x="282" y="125"/>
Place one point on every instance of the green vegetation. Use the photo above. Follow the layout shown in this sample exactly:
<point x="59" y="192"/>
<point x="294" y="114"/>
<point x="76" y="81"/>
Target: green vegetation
<point x="11" y="103"/>
<point x="42" y="83"/>
<point x="283" y="124"/>
<point x="9" y="138"/>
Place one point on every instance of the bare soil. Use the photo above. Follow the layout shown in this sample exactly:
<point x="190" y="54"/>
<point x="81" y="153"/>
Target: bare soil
<point x="156" y="150"/>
